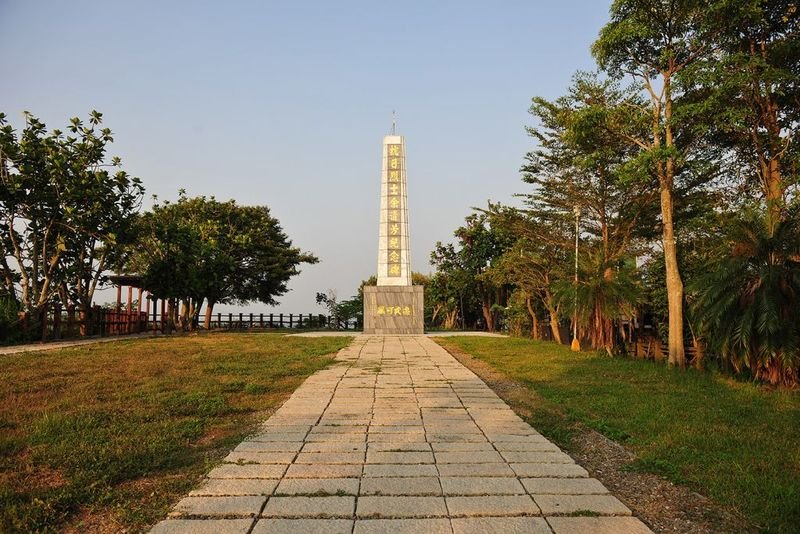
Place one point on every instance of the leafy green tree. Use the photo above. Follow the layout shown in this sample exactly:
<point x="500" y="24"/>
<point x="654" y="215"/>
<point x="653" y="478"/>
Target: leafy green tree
<point x="444" y="297"/>
<point x="353" y="309"/>
<point x="202" y="250"/>
<point x="453" y="289"/>
<point x="744" y="99"/>
<point x="468" y="267"/>
<point x="539" y="257"/>
<point x="342" y="312"/>
<point x="65" y="213"/>
<point x="578" y="165"/>
<point x="747" y="302"/>
<point x="654" y="41"/>
<point x="603" y="296"/>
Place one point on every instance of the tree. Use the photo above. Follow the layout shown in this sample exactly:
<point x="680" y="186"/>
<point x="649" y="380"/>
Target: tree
<point x="65" y="216"/>
<point x="577" y="164"/>
<point x="444" y="298"/>
<point x="603" y="296"/>
<point x="745" y="99"/>
<point x="341" y="312"/>
<point x="747" y="302"/>
<point x="468" y="267"/>
<point x="199" y="249"/>
<point x="653" y="41"/>
<point x="535" y="262"/>
<point x="453" y="289"/>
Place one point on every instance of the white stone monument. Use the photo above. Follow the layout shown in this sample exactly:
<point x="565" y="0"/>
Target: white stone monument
<point x="394" y="306"/>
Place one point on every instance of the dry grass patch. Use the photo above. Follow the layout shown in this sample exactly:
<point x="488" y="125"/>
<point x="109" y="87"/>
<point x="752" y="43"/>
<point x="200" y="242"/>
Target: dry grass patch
<point x="108" y="436"/>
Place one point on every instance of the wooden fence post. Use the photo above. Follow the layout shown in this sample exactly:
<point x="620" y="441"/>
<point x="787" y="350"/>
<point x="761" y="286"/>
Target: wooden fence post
<point x="291" y="318"/>
<point x="280" y="318"/>
<point x="251" y="320"/>
<point x="139" y="312"/>
<point x="70" y="320"/>
<point x="261" y="320"/>
<point x="271" y="324"/>
<point x="57" y="320"/>
<point x="98" y="324"/>
<point x="155" y="313"/>
<point x="43" y="318"/>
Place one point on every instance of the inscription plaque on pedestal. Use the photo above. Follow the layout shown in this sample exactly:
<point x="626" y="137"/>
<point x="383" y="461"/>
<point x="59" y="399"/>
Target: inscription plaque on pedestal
<point x="394" y="306"/>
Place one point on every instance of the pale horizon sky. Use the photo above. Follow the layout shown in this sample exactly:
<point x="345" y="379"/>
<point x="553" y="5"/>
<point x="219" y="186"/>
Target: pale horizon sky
<point x="286" y="105"/>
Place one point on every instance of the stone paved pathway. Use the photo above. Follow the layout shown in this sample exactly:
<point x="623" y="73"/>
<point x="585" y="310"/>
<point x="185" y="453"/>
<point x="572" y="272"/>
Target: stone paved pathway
<point x="400" y="438"/>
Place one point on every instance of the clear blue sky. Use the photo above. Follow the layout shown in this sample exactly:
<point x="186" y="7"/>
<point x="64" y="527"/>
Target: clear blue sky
<point x="286" y="104"/>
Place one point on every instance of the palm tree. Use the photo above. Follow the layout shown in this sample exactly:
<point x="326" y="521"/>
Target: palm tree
<point x="607" y="292"/>
<point x="747" y="303"/>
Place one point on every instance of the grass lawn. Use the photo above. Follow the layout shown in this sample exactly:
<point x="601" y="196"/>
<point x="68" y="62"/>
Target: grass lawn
<point x="735" y="442"/>
<point x="105" y="437"/>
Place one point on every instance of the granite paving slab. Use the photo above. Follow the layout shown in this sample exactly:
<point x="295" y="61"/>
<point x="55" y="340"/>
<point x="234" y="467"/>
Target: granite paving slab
<point x="397" y="436"/>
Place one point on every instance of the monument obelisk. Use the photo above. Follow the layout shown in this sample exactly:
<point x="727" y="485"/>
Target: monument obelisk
<point x="394" y="306"/>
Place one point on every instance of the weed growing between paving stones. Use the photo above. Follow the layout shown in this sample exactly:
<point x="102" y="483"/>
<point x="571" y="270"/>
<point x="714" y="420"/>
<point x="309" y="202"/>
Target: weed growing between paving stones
<point x="734" y="441"/>
<point x="583" y="513"/>
<point x="108" y="436"/>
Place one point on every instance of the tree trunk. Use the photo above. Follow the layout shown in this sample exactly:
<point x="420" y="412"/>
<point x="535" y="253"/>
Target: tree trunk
<point x="608" y="326"/>
<point x="487" y="317"/>
<point x="774" y="195"/>
<point x="699" y="353"/>
<point x="183" y="318"/>
<point x="534" y="319"/>
<point x="170" y="315"/>
<point x="450" y="319"/>
<point x="209" y="311"/>
<point x="554" y="326"/>
<point x="194" y="313"/>
<point x="677" y="355"/>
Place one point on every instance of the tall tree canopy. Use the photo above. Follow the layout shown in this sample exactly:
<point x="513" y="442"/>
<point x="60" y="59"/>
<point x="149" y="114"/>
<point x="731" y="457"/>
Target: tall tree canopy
<point x="200" y="250"/>
<point x="653" y="41"/>
<point x="66" y="211"/>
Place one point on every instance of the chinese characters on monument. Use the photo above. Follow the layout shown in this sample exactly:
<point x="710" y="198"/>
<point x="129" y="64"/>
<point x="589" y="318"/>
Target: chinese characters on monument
<point x="394" y="202"/>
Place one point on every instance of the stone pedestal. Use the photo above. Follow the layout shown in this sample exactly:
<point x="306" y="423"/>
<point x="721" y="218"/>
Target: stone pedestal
<point x="393" y="310"/>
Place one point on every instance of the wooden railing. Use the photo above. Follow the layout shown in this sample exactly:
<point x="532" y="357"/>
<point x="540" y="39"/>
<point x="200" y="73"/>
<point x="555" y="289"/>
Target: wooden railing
<point x="246" y="321"/>
<point x="58" y="323"/>
<point x="61" y="323"/>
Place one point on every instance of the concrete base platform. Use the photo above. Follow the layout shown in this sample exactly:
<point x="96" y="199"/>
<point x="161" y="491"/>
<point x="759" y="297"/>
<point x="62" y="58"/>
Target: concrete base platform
<point x="394" y="310"/>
